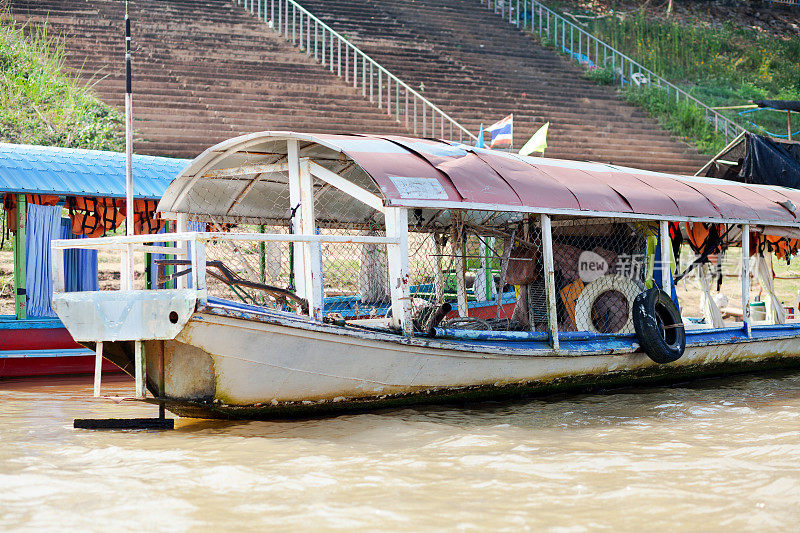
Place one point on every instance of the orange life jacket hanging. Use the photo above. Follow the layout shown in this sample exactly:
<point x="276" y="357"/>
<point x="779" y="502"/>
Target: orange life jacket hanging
<point x="42" y="199"/>
<point x="94" y="216"/>
<point x="705" y="239"/>
<point x="782" y="247"/>
<point x="144" y="217"/>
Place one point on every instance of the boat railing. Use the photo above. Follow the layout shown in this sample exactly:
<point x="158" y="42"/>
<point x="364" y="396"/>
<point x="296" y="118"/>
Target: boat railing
<point x="189" y="249"/>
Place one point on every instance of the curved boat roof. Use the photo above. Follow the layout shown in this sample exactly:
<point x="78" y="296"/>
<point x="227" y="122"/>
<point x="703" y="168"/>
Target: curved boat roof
<point x="433" y="174"/>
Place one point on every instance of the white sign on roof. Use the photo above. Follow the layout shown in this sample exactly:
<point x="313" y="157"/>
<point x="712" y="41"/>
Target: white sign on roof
<point x="419" y="188"/>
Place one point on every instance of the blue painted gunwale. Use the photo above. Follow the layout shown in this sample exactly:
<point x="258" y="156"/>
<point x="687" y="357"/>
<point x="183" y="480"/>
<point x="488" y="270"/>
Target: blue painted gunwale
<point x="10" y="322"/>
<point x="580" y="343"/>
<point x="25" y="354"/>
<point x="351" y="306"/>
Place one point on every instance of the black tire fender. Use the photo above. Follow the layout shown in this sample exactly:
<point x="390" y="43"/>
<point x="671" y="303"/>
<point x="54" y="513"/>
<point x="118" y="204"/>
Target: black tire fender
<point x="659" y="326"/>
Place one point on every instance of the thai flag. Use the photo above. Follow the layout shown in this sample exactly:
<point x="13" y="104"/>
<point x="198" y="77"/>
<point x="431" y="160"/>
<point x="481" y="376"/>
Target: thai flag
<point x="502" y="133"/>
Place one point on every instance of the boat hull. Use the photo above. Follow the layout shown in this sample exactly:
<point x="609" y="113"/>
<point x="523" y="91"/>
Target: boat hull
<point x="227" y="367"/>
<point x="42" y="347"/>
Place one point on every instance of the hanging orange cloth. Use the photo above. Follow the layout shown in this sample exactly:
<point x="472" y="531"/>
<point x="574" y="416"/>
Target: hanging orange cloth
<point x="10" y="206"/>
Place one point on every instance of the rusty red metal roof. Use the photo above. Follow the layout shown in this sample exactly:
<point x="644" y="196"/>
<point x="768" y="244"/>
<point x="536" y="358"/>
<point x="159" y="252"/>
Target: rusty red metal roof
<point x="505" y="179"/>
<point x="429" y="173"/>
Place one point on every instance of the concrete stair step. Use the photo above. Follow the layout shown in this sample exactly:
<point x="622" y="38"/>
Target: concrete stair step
<point x="207" y="69"/>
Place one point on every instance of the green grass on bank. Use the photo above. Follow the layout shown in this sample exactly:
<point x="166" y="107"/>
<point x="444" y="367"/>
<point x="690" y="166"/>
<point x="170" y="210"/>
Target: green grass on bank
<point x="684" y="118"/>
<point x="40" y="105"/>
<point x="723" y="66"/>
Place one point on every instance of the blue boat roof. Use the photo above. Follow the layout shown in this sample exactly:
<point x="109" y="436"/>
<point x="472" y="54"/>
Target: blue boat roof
<point x="69" y="171"/>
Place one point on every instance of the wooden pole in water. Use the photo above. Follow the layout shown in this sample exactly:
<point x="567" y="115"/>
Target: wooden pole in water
<point x="139" y="363"/>
<point x="789" y="121"/>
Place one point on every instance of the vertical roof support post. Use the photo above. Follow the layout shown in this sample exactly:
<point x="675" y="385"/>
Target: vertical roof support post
<point x="125" y="269"/>
<point x="57" y="268"/>
<point x="789" y="124"/>
<point x="262" y="256"/>
<point x="549" y="280"/>
<point x="296" y="226"/>
<point x="397" y="255"/>
<point x="746" y="280"/>
<point x="460" y="264"/>
<point x="666" y="260"/>
<point x="198" y="248"/>
<point x="20" y="261"/>
<point x="486" y="248"/>
<point x="438" y="275"/>
<point x="312" y="250"/>
<point x="181" y="226"/>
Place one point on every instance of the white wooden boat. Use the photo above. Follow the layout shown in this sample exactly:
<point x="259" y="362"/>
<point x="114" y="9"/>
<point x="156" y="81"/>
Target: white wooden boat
<point x="349" y="250"/>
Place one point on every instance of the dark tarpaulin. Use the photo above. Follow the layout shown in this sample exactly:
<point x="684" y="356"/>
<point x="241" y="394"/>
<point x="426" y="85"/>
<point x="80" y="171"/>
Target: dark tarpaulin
<point x="780" y="105"/>
<point x="769" y="162"/>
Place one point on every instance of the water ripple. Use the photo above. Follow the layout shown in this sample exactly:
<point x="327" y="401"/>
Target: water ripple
<point x="701" y="456"/>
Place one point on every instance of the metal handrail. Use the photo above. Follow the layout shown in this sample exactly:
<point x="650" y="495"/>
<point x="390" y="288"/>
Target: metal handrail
<point x="532" y="16"/>
<point x="400" y="100"/>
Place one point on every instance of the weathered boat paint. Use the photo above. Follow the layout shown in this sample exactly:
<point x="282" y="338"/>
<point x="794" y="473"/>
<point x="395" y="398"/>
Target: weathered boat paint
<point x="224" y="366"/>
<point x="650" y="376"/>
<point x="119" y="315"/>
<point x="46" y="362"/>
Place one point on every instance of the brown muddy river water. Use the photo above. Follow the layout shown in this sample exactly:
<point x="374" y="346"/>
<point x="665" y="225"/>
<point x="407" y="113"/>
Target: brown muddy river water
<point x="702" y="456"/>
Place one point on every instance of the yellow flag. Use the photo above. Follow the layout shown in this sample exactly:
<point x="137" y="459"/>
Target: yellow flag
<point x="537" y="143"/>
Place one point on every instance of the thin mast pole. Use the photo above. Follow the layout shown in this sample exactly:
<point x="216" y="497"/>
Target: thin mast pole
<point x="128" y="126"/>
<point x="128" y="274"/>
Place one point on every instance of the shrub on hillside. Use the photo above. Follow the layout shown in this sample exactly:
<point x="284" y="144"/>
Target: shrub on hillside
<point x="683" y="118"/>
<point x="600" y="75"/>
<point x="40" y="105"/>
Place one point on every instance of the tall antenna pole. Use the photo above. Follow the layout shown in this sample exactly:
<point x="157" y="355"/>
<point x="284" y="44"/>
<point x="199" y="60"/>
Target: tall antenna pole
<point x="127" y="274"/>
<point x="128" y="127"/>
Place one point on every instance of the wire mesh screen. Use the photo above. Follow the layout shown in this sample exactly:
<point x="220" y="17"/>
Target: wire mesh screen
<point x="355" y="277"/>
<point x="709" y="283"/>
<point x="239" y="270"/>
<point x="710" y="286"/>
<point x="250" y="271"/>
<point x="480" y="262"/>
<point x="599" y="268"/>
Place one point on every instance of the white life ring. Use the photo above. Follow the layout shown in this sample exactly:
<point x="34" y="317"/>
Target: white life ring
<point x="610" y="282"/>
